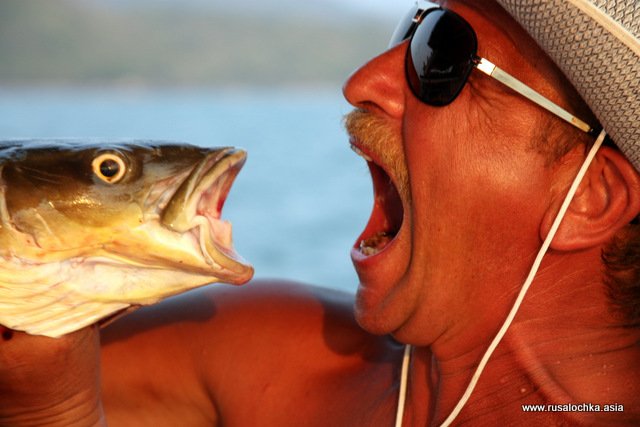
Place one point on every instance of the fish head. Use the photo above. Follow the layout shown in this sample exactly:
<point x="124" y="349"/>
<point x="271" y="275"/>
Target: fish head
<point x="118" y="222"/>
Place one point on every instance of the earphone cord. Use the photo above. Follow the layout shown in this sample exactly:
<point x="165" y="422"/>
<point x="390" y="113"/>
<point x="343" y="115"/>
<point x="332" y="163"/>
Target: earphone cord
<point x="404" y="377"/>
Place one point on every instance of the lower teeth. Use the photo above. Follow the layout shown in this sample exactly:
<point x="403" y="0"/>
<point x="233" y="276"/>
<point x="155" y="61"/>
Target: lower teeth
<point x="375" y="244"/>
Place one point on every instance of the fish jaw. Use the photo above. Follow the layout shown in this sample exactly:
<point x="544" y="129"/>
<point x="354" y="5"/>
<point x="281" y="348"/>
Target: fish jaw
<point x="194" y="212"/>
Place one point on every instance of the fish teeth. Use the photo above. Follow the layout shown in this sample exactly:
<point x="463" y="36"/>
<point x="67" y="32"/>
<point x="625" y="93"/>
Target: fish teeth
<point x="360" y="153"/>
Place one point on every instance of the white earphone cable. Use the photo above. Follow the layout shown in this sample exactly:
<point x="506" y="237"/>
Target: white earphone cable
<point x="404" y="376"/>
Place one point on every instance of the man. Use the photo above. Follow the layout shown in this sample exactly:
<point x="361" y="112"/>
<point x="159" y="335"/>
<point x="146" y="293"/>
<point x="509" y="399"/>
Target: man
<point x="465" y="194"/>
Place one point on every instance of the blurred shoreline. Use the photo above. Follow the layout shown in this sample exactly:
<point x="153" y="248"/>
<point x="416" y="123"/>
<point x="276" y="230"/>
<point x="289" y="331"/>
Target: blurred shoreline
<point x="104" y="43"/>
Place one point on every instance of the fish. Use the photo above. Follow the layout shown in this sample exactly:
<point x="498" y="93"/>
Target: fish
<point x="91" y="229"/>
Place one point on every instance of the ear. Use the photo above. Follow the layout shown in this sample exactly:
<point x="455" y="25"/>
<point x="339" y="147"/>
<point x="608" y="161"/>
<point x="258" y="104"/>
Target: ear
<point x="607" y="199"/>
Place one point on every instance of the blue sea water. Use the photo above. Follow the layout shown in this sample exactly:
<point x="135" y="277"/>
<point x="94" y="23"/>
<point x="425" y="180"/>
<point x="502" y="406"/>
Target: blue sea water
<point x="303" y="196"/>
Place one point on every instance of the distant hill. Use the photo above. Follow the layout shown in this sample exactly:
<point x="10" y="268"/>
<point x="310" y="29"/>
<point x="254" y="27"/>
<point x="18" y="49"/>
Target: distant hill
<point x="333" y="10"/>
<point x="80" y="42"/>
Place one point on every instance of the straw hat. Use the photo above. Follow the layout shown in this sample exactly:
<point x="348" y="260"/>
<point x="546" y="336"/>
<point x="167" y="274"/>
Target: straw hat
<point x="596" y="43"/>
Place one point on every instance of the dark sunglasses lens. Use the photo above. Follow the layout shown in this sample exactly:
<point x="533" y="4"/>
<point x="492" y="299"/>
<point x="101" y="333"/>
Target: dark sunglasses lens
<point x="404" y="29"/>
<point x="440" y="57"/>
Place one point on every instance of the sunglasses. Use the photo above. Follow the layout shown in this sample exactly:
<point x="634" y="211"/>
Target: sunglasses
<point x="442" y="53"/>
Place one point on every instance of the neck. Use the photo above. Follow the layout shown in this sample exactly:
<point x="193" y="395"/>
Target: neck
<point x="564" y="347"/>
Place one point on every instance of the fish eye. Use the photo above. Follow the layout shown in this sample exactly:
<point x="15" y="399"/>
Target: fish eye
<point x="109" y="167"/>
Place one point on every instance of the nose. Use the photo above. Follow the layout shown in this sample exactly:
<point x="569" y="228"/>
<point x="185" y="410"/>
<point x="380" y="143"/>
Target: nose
<point x="380" y="83"/>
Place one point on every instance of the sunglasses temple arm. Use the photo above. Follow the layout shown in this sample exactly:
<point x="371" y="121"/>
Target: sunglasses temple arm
<point x="524" y="90"/>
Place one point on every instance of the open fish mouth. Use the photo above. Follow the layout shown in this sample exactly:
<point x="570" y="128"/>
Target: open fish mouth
<point x="196" y="208"/>
<point x="90" y="229"/>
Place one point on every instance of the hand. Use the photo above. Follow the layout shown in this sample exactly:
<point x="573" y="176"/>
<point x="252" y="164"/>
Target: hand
<point x="50" y="381"/>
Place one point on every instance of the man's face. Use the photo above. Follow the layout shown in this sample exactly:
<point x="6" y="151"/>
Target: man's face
<point x="460" y="193"/>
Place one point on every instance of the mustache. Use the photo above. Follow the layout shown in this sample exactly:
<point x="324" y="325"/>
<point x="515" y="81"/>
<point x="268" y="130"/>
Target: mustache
<point x="369" y="129"/>
<point x="375" y="134"/>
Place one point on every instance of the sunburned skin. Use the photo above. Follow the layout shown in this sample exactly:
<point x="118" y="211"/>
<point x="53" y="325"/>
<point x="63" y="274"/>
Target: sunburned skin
<point x="7" y="333"/>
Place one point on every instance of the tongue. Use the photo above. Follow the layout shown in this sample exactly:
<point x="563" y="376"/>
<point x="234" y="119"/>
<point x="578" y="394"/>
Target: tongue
<point x="376" y="243"/>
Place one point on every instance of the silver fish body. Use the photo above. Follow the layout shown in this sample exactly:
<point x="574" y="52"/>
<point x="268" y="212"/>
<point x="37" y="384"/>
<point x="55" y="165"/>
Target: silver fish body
<point x="90" y="229"/>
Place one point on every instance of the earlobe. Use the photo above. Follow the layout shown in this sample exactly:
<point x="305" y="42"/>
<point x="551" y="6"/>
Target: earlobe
<point x="608" y="198"/>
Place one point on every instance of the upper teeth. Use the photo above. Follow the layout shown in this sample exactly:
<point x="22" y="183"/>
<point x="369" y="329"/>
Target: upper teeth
<point x="360" y="153"/>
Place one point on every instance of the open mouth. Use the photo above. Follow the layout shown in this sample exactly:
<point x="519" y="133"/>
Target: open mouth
<point x="387" y="214"/>
<point x="196" y="208"/>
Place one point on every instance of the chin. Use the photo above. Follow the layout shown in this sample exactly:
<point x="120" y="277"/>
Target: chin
<point x="372" y="319"/>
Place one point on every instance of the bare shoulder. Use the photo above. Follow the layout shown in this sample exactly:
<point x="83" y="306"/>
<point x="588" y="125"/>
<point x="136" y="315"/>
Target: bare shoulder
<point x="279" y="313"/>
<point x="210" y="350"/>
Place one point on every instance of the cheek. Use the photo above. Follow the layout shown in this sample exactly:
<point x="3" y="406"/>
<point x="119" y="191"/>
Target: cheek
<point x="466" y="183"/>
<point x="461" y="143"/>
